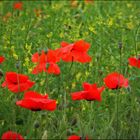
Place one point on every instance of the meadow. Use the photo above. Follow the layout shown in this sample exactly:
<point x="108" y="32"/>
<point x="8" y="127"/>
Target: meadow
<point x="50" y="54"/>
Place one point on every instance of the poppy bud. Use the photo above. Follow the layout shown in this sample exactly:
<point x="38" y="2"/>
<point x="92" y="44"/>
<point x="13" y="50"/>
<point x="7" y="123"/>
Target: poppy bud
<point x="36" y="124"/>
<point x="39" y="51"/>
<point x="19" y="121"/>
<point x="46" y="50"/>
<point x="43" y="114"/>
<point x="69" y="131"/>
<point x="1" y="73"/>
<point x="47" y="65"/>
<point x="129" y="89"/>
<point x="120" y="45"/>
<point x="37" y="79"/>
<point x="138" y="57"/>
<point x="74" y="121"/>
<point x="18" y="65"/>
<point x="100" y="72"/>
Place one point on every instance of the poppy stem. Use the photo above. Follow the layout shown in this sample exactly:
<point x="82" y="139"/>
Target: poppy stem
<point x="71" y="64"/>
<point x="135" y="39"/>
<point x="117" y="95"/>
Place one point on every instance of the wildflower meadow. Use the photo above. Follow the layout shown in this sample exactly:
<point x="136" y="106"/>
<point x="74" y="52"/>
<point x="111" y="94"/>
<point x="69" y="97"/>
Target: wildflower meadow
<point x="69" y="69"/>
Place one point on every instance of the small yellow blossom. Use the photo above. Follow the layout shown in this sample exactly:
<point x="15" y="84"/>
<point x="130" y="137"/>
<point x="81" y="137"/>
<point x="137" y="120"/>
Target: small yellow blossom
<point x="90" y="64"/>
<point x="61" y="35"/>
<point x="30" y="70"/>
<point x="23" y="28"/>
<point x="129" y="5"/>
<point x="92" y="29"/>
<point x="56" y="101"/>
<point x="78" y="75"/>
<point x="110" y="22"/>
<point x="73" y="85"/>
<point x="87" y="73"/>
<point x="42" y="83"/>
<point x="83" y="108"/>
<point x="130" y="25"/>
<point x="27" y="59"/>
<point x="49" y="35"/>
<point x="15" y="56"/>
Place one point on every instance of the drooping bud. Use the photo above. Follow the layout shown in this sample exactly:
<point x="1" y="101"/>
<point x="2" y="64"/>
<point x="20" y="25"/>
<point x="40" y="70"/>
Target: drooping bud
<point x="39" y="51"/>
<point x="17" y="65"/>
<point x="120" y="45"/>
<point x="47" y="65"/>
<point x="46" y="50"/>
<point x="138" y="57"/>
<point x="1" y="74"/>
<point x="36" y="124"/>
<point x="19" y="121"/>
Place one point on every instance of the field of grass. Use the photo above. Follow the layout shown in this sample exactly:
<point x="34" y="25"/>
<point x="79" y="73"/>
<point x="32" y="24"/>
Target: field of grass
<point x="112" y="28"/>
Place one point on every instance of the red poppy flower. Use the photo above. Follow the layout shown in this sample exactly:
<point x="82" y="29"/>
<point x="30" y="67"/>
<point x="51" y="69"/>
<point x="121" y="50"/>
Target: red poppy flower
<point x="9" y="135"/>
<point x="74" y="52"/>
<point x="46" y="62"/>
<point x="17" y="82"/>
<point x="90" y="92"/>
<point x="36" y="102"/>
<point x="1" y="59"/>
<point x="18" y="5"/>
<point x="75" y="137"/>
<point x="135" y="62"/>
<point x="115" y="80"/>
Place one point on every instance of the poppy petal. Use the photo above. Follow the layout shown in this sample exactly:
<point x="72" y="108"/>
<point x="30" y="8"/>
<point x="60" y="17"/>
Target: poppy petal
<point x="78" y="95"/>
<point x="53" y="68"/>
<point x="81" y="46"/>
<point x="35" y="57"/>
<point x="74" y="137"/>
<point x="132" y="61"/>
<point x="1" y="59"/>
<point x="9" y="135"/>
<point x="33" y="94"/>
<point x="64" y="44"/>
<point x="50" y="105"/>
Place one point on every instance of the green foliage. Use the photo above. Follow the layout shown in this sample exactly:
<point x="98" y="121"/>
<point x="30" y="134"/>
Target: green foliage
<point x="104" y="24"/>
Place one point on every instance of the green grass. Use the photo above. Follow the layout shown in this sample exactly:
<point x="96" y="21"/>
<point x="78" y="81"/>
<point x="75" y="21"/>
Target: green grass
<point x="104" y="24"/>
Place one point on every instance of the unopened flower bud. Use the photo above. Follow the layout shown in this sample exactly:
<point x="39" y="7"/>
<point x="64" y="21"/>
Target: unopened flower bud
<point x="39" y="51"/>
<point x="36" y="124"/>
<point x="17" y="65"/>
<point x="46" y="50"/>
<point x="1" y="74"/>
<point x="129" y="89"/>
<point x="138" y="57"/>
<point x="120" y="45"/>
<point x="19" y="121"/>
<point x="47" y="65"/>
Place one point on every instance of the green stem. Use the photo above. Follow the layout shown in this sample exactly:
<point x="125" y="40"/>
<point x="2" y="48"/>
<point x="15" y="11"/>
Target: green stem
<point x="136" y="37"/>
